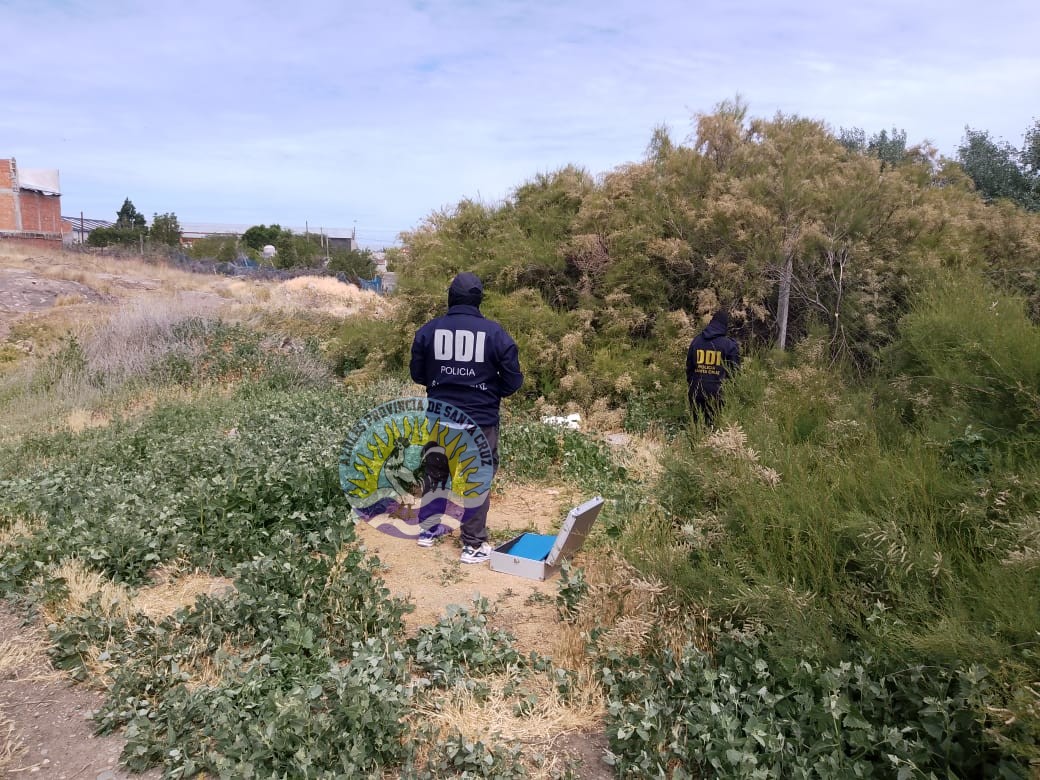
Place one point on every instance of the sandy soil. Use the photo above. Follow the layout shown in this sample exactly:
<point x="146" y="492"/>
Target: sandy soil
<point x="37" y="284"/>
<point x="49" y="717"/>
<point x="23" y="291"/>
<point x="432" y="578"/>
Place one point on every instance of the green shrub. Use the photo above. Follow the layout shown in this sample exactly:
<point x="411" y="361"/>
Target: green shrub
<point x="456" y="756"/>
<point x="970" y="355"/>
<point x="363" y="341"/>
<point x="741" y="714"/>
<point x="286" y="704"/>
<point x="210" y="486"/>
<point x="462" y="645"/>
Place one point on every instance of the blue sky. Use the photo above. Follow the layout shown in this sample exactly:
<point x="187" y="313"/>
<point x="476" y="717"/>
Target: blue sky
<point x="377" y="113"/>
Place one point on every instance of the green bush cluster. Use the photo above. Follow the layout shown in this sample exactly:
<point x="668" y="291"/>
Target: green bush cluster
<point x="207" y="486"/>
<point x="603" y="282"/>
<point x="971" y="349"/>
<point x="740" y="714"/>
<point x="889" y="524"/>
<point x="315" y="682"/>
<point x="462" y="645"/>
<point x="535" y="450"/>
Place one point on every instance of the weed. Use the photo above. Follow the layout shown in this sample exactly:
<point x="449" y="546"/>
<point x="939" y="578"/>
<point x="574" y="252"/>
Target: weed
<point x="450" y="574"/>
<point x="462" y="645"/>
<point x="537" y="598"/>
<point x="572" y="588"/>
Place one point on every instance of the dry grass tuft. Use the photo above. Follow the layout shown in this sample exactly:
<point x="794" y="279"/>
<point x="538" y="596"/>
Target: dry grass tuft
<point x="18" y="656"/>
<point x="1026" y="548"/>
<point x="324" y="294"/>
<point x="732" y="443"/>
<point x="175" y="590"/>
<point x="23" y="656"/>
<point x="137" y="335"/>
<point x="640" y="454"/>
<point x="601" y="417"/>
<point x="205" y="670"/>
<point x="635" y="612"/>
<point x="83" y="584"/>
<point x="69" y="300"/>
<point x="79" y="420"/>
<point x="172" y="591"/>
<point x="16" y="255"/>
<point x="548" y="717"/>
<point x="20" y="527"/>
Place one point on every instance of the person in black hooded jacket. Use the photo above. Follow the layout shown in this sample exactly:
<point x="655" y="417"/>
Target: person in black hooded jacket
<point x="713" y="356"/>
<point x="470" y="362"/>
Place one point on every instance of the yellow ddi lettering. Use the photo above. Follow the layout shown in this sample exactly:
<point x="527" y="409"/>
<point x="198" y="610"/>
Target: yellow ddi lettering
<point x="709" y="357"/>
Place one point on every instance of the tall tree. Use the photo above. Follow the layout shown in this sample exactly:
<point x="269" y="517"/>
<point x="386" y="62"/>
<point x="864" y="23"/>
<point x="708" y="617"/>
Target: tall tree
<point x="165" y="229"/>
<point x="129" y="217"/>
<point x="890" y="148"/>
<point x="259" y="236"/>
<point x="996" y="169"/>
<point x="1030" y="155"/>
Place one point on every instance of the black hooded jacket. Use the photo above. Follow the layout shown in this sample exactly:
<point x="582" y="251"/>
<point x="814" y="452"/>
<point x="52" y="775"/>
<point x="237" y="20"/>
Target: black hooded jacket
<point x="712" y="357"/>
<point x="465" y="359"/>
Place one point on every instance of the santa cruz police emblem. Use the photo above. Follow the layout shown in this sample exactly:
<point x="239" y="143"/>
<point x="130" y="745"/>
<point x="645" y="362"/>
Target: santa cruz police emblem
<point x="415" y="462"/>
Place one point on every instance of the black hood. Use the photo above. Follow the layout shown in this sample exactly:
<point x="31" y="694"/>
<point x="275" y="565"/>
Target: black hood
<point x="718" y="326"/>
<point x="466" y="290"/>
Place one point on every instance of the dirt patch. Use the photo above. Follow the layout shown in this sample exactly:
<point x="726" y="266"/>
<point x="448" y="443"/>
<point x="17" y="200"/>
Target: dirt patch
<point x="432" y="577"/>
<point x="585" y="751"/>
<point x="51" y="733"/>
<point x="24" y="292"/>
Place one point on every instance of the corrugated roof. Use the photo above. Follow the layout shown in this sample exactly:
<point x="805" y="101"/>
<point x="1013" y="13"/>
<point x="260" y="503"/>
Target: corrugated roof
<point x="88" y="224"/>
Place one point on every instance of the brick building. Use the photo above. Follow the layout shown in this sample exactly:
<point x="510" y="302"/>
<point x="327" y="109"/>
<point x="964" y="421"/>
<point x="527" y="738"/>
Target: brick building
<point x="30" y="204"/>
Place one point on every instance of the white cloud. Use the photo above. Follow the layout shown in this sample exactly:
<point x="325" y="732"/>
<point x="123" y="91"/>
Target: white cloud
<point x="381" y="112"/>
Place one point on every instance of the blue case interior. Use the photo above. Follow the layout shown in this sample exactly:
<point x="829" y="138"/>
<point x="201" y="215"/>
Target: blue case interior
<point x="536" y="547"/>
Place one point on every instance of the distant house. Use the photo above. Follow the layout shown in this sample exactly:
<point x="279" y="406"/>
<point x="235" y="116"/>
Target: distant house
<point x="338" y="238"/>
<point x="78" y="229"/>
<point x="30" y="204"/>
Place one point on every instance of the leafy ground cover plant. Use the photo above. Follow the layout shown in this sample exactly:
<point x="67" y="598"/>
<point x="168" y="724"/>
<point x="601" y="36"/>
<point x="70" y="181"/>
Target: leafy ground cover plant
<point x="300" y="668"/>
<point x="208" y="485"/>
<point x="307" y="674"/>
<point x="738" y="713"/>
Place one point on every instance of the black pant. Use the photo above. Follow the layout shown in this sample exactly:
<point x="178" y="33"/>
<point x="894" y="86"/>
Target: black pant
<point x="474" y="528"/>
<point x="704" y="406"/>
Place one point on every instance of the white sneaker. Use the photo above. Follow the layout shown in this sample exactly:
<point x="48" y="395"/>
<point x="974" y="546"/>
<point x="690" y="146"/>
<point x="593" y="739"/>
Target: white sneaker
<point x="472" y="554"/>
<point x="430" y="537"/>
